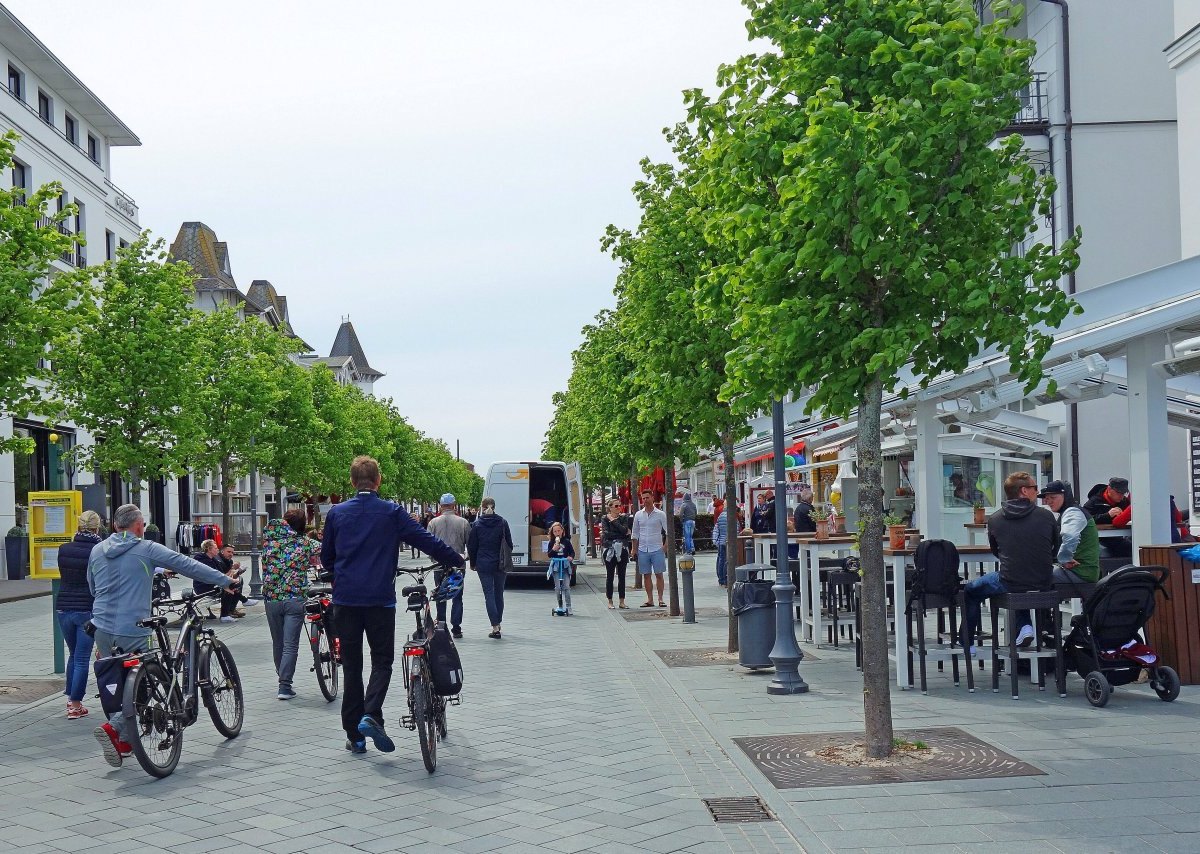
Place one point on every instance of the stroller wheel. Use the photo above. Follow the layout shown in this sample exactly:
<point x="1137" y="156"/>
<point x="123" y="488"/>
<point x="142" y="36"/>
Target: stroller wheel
<point x="1166" y="685"/>
<point x="1096" y="689"/>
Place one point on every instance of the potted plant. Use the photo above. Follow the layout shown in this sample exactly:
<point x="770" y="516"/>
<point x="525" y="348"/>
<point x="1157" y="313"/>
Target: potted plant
<point x="154" y="533"/>
<point x="820" y="515"/>
<point x="980" y="511"/>
<point x="16" y="552"/>
<point x="896" y="530"/>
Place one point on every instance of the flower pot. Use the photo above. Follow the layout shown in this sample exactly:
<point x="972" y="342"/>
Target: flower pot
<point x="822" y="529"/>
<point x="896" y="536"/>
<point x="980" y="516"/>
<point x="16" y="557"/>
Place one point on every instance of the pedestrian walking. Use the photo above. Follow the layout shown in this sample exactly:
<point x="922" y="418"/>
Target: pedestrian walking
<point x="486" y="547"/>
<point x="361" y="547"/>
<point x="561" y="552"/>
<point x="121" y="582"/>
<point x="286" y="557"/>
<point x="452" y="530"/>
<point x="615" y="533"/>
<point x="687" y="516"/>
<point x="73" y="606"/>
<point x="720" y="539"/>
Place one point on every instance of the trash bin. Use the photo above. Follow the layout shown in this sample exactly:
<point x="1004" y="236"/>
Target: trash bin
<point x="753" y="603"/>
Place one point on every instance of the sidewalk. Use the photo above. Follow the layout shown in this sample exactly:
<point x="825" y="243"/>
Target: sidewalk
<point x="574" y="735"/>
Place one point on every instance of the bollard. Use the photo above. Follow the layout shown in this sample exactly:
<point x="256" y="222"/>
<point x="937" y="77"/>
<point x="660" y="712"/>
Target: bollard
<point x="687" y="566"/>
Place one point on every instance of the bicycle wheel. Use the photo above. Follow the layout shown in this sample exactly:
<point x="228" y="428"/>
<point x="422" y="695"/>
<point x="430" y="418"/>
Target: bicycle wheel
<point x="423" y="716"/>
<point x="157" y="720"/>
<point x="221" y="688"/>
<point x="326" y="665"/>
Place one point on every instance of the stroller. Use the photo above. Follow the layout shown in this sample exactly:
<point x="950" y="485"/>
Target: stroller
<point x="1105" y="646"/>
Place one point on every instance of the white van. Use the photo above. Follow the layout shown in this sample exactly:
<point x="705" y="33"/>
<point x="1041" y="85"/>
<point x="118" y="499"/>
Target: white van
<point x="533" y="495"/>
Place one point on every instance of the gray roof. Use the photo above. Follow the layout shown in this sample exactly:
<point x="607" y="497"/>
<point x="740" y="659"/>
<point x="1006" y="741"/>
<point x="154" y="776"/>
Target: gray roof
<point x="346" y="344"/>
<point x="197" y="244"/>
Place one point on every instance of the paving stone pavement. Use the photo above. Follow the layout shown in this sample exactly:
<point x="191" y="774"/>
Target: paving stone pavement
<point x="573" y="736"/>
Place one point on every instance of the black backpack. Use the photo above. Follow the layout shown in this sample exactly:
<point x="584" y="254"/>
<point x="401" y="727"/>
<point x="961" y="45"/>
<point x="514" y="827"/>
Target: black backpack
<point x="444" y="664"/>
<point x="937" y="570"/>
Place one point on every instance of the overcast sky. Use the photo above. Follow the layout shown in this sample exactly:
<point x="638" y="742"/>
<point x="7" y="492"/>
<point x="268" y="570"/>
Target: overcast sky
<point x="441" y="172"/>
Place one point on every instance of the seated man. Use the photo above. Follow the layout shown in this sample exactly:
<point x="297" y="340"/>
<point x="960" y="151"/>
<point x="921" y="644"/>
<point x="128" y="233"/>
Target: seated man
<point x="1025" y="539"/>
<point x="1110" y="505"/>
<point x="1079" y="550"/>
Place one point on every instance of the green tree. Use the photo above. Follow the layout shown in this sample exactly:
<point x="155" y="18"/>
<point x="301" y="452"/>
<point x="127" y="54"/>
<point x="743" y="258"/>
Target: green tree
<point x="294" y="430"/>
<point x="125" y="372"/>
<point x="236" y="389"/>
<point x="36" y="306"/>
<point x="854" y="168"/>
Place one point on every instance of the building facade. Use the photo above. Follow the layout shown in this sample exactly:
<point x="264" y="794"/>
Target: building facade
<point x="67" y="135"/>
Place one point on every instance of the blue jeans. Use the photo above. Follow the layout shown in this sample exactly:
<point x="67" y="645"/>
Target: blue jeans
<point x="456" y="607"/>
<point x="79" y="645"/>
<point x="493" y="594"/>
<point x="689" y="527"/>
<point x="285" y="619"/>
<point x="984" y="587"/>
<point x="722" y="574"/>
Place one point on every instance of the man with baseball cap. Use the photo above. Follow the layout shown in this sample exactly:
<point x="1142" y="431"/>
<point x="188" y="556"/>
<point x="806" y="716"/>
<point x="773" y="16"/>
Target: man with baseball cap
<point x="1079" y="552"/>
<point x="1110" y="505"/>
<point x="452" y="530"/>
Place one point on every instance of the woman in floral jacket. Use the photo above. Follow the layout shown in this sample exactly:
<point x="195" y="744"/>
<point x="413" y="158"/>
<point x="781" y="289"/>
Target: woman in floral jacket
<point x="286" y="555"/>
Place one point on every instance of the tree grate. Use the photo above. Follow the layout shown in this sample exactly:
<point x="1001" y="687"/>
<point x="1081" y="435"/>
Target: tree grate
<point x="738" y="810"/>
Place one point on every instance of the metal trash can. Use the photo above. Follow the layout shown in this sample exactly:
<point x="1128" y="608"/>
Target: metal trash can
<point x="753" y="603"/>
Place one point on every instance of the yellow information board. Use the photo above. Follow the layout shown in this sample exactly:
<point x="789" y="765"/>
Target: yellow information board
<point x="53" y="518"/>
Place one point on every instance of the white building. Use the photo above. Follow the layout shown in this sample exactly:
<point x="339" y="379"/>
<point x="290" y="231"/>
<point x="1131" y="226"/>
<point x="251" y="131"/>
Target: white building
<point x="347" y="360"/>
<point x="67" y="134"/>
<point x="1183" y="58"/>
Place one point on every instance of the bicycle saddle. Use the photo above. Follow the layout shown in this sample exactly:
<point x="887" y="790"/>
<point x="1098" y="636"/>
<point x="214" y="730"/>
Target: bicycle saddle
<point x="153" y="622"/>
<point x="414" y="588"/>
<point x="319" y="590"/>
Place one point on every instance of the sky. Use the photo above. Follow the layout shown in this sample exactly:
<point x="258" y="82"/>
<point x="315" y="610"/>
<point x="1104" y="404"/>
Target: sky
<point x="440" y="172"/>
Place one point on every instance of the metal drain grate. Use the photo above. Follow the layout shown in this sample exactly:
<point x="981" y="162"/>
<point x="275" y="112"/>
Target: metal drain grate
<point x="738" y="809"/>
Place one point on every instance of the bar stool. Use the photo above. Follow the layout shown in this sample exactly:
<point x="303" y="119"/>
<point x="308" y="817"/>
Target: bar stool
<point x="918" y="603"/>
<point x="841" y="604"/>
<point x="1032" y="601"/>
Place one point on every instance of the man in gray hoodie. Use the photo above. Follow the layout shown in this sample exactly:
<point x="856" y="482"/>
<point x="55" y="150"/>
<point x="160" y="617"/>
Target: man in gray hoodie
<point x="121" y="578"/>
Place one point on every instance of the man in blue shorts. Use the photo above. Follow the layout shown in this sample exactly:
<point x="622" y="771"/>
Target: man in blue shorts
<point x="649" y="534"/>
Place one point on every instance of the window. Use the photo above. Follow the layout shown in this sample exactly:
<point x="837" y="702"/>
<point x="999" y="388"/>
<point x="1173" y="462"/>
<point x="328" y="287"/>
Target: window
<point x="20" y="175"/>
<point x="15" y="81"/>
<point x="122" y="244"/>
<point x="110" y="245"/>
<point x="45" y="107"/>
<point x="94" y="149"/>
<point x="71" y="129"/>
<point x="80" y="229"/>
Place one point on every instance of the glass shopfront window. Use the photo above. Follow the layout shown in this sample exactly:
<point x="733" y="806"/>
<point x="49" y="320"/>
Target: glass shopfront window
<point x="967" y="480"/>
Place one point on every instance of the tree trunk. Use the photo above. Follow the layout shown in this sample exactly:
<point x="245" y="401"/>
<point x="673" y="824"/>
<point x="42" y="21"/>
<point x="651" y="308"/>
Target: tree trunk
<point x="226" y="518"/>
<point x="672" y="573"/>
<point x="135" y="486"/>
<point x="877" y="697"/>
<point x="634" y="499"/>
<point x="731" y="538"/>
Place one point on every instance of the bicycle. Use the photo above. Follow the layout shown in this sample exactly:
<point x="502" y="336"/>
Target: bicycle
<point x="165" y="685"/>
<point x="426" y="707"/>
<point x="326" y="650"/>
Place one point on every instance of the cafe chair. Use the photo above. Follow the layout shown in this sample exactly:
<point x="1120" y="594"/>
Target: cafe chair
<point x="946" y="646"/>
<point x="1038" y="603"/>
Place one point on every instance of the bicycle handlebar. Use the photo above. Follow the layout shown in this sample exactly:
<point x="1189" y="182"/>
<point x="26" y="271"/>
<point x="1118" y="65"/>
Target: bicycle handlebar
<point x="188" y="598"/>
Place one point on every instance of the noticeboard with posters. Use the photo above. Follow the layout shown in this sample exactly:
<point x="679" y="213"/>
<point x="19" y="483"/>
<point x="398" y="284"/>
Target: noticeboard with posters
<point x="53" y="517"/>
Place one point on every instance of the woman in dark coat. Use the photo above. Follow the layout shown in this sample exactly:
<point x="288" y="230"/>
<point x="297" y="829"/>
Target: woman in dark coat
<point x="73" y="607"/>
<point x="615" y="545"/>
<point x="484" y="546"/>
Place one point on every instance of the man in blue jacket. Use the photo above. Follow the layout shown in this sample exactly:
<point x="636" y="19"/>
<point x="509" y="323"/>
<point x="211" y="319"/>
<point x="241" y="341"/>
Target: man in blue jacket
<point x="361" y="547"/>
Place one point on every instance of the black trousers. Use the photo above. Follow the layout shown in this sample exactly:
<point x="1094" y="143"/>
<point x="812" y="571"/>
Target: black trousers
<point x="617" y="567"/>
<point x="379" y="626"/>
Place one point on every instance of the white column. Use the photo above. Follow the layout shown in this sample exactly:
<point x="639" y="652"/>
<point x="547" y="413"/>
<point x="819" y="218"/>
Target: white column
<point x="1148" y="455"/>
<point x="927" y="481"/>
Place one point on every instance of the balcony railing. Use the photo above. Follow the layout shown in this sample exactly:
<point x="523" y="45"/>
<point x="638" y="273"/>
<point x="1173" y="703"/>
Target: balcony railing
<point x="61" y="133"/>
<point x="1033" y="111"/>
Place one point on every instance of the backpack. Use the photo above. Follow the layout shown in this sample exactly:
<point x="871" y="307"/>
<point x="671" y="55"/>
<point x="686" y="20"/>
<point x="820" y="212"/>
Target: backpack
<point x="445" y="666"/>
<point x="937" y="570"/>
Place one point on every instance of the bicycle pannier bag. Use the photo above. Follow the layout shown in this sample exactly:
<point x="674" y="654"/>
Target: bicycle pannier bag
<point x="445" y="666"/>
<point x="111" y="673"/>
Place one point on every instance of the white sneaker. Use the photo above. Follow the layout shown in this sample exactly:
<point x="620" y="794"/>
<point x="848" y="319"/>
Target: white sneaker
<point x="228" y="619"/>
<point x="1025" y="636"/>
<point x="250" y="602"/>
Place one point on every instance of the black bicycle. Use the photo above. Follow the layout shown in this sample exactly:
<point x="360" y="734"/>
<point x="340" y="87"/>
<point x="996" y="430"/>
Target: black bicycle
<point x="165" y="685"/>
<point x="426" y="707"/>
<point x="325" y="648"/>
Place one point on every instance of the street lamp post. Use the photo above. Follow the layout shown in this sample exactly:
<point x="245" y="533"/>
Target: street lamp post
<point x="786" y="654"/>
<point x="255" y="577"/>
